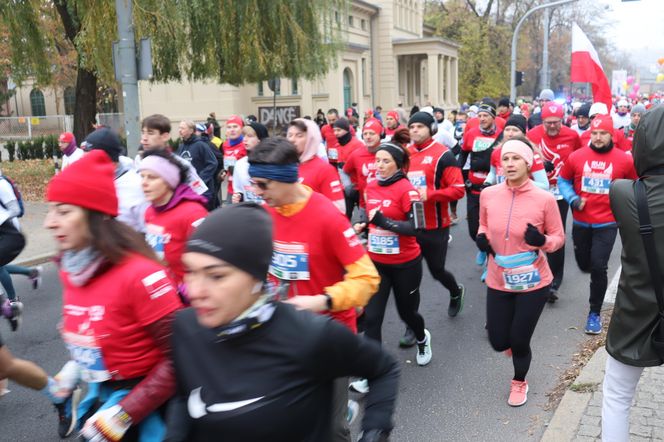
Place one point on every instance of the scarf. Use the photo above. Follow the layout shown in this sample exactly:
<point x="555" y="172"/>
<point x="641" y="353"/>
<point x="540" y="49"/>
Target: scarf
<point x="256" y="315"/>
<point x="488" y="132"/>
<point x="604" y="149"/>
<point x="390" y="180"/>
<point x="345" y="139"/>
<point x="81" y="265"/>
<point x="236" y="141"/>
<point x="183" y="192"/>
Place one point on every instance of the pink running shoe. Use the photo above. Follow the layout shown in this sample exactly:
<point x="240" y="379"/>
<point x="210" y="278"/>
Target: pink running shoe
<point x="518" y="393"/>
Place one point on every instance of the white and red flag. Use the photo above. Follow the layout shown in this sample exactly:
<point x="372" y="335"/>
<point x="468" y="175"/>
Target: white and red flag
<point x="586" y="67"/>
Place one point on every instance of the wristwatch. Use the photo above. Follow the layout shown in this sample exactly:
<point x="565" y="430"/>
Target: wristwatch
<point x="328" y="302"/>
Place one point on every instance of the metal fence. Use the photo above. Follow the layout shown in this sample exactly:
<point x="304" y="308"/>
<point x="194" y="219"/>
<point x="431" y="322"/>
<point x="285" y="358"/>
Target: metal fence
<point x="26" y="128"/>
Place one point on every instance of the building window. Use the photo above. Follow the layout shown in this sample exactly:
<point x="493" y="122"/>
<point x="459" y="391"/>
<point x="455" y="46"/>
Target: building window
<point x="37" y="103"/>
<point x="260" y="92"/>
<point x="350" y="20"/>
<point x="70" y="100"/>
<point x="294" y="89"/>
<point x="363" y="24"/>
<point x="109" y="102"/>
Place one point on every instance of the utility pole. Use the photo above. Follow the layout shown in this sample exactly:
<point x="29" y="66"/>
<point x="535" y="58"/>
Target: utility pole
<point x="544" y="77"/>
<point x="515" y="39"/>
<point x="127" y="73"/>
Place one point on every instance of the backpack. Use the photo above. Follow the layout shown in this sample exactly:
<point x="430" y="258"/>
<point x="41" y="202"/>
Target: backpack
<point x="17" y="194"/>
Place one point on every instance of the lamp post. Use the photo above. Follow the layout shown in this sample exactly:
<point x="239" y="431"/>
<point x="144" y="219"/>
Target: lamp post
<point x="515" y="38"/>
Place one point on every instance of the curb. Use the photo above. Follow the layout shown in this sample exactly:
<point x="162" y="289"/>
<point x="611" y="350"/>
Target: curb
<point x="565" y="422"/>
<point x="35" y="260"/>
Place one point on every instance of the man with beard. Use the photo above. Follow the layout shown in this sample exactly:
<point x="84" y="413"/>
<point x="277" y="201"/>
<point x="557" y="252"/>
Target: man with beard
<point x="584" y="181"/>
<point x="556" y="142"/>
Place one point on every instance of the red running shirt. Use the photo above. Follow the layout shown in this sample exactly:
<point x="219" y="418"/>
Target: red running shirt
<point x="394" y="201"/>
<point x="231" y="155"/>
<point x="104" y="322"/>
<point x="322" y="178"/>
<point x="361" y="168"/>
<point x="312" y="248"/>
<point x="555" y="150"/>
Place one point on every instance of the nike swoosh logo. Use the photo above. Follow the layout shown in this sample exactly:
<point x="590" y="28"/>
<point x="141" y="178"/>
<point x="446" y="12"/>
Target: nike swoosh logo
<point x="198" y="409"/>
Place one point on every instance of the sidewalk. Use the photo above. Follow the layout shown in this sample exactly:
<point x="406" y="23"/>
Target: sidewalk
<point x="40" y="246"/>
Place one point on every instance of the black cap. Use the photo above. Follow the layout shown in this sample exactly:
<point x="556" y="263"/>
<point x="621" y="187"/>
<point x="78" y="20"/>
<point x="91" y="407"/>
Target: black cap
<point x="249" y="248"/>
<point x="517" y="120"/>
<point x="261" y="130"/>
<point x="583" y="110"/>
<point x="107" y="140"/>
<point x="504" y="102"/>
<point x="421" y="117"/>
<point x="342" y="123"/>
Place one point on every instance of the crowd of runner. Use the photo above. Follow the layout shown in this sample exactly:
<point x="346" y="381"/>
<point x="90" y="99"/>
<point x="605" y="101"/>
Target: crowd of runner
<point x="322" y="223"/>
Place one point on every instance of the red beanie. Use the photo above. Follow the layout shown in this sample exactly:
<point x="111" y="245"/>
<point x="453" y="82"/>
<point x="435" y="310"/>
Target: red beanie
<point x="87" y="183"/>
<point x="234" y="119"/>
<point x="602" y="122"/>
<point x="394" y="115"/>
<point x="66" y="137"/>
<point x="552" y="110"/>
<point x="373" y="124"/>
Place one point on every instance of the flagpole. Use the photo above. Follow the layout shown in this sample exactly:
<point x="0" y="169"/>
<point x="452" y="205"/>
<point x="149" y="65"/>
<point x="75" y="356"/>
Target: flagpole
<point x="515" y="38"/>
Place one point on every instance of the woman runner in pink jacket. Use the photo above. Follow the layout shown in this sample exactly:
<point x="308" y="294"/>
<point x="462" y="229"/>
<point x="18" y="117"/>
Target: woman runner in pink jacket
<point x="518" y="222"/>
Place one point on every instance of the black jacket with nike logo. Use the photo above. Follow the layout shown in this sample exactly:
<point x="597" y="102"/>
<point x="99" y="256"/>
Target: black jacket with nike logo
<point x="273" y="383"/>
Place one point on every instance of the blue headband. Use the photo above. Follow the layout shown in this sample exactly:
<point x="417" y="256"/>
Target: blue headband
<point x="284" y="173"/>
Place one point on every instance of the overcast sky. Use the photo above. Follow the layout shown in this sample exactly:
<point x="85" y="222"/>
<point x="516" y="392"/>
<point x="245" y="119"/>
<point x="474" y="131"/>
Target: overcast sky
<point x="639" y="25"/>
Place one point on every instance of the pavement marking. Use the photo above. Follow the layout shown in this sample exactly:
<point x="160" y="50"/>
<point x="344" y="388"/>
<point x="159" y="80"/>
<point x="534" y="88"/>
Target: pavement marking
<point x="610" y="296"/>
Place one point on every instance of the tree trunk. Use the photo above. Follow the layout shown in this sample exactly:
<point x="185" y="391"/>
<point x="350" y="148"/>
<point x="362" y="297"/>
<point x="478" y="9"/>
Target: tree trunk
<point x="86" y="103"/>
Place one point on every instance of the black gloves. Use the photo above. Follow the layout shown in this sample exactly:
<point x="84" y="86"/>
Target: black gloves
<point x="576" y="204"/>
<point x="378" y="219"/>
<point x="548" y="166"/>
<point x="534" y="237"/>
<point x="483" y="244"/>
<point x="375" y="436"/>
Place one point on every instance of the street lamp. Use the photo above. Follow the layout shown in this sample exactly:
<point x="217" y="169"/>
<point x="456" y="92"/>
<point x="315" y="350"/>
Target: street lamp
<point x="515" y="38"/>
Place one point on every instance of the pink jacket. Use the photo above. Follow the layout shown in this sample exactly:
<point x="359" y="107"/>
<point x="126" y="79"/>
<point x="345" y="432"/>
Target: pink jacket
<point x="504" y="216"/>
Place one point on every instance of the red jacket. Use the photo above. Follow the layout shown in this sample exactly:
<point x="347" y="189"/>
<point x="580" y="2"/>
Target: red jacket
<point x="434" y="168"/>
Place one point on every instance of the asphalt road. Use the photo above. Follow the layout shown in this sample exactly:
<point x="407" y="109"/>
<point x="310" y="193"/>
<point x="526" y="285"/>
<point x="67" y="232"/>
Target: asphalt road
<point x="460" y="396"/>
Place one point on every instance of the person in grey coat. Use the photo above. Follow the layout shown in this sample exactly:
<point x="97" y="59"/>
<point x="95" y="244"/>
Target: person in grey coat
<point x="635" y="314"/>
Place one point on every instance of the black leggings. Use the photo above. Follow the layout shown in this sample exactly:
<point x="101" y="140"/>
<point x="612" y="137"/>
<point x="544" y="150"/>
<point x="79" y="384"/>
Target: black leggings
<point x="511" y="321"/>
<point x="12" y="242"/>
<point x="404" y="280"/>
<point x="434" y="250"/>
<point x="473" y="213"/>
<point x="557" y="259"/>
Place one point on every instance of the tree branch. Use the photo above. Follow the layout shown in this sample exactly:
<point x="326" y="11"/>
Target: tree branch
<point x="71" y="28"/>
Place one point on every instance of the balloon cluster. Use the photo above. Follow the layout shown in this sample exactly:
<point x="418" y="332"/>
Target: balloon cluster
<point x="660" y="76"/>
<point x="631" y="88"/>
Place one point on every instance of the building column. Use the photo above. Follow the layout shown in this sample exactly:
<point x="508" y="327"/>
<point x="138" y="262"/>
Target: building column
<point x="434" y="79"/>
<point x="448" y="82"/>
<point x="455" y="82"/>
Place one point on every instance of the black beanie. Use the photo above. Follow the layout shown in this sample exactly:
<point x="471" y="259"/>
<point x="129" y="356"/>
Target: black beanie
<point x="583" y="110"/>
<point x="504" y="102"/>
<point x="489" y="108"/>
<point x="107" y="140"/>
<point x="342" y="123"/>
<point x="422" y="117"/>
<point x="247" y="243"/>
<point x="261" y="130"/>
<point x="517" y="120"/>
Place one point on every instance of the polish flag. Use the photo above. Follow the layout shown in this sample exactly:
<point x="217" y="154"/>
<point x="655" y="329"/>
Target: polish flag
<point x="586" y="67"/>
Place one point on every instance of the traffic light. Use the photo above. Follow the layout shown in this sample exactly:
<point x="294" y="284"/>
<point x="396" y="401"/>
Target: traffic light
<point x="520" y="77"/>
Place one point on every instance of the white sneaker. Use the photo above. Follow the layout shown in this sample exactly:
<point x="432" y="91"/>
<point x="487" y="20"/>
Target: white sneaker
<point x="353" y="411"/>
<point x="424" y="350"/>
<point x="360" y="386"/>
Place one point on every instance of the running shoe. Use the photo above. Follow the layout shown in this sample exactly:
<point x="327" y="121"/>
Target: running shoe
<point x="408" y="339"/>
<point x="480" y="259"/>
<point x="353" y="411"/>
<point x="359" y="386"/>
<point x="454" y="219"/>
<point x="36" y="277"/>
<point x="15" y="318"/>
<point x="67" y="413"/>
<point x="456" y="302"/>
<point x="424" y="350"/>
<point x="518" y="393"/>
<point x="553" y="296"/>
<point x="483" y="275"/>
<point x="593" y="324"/>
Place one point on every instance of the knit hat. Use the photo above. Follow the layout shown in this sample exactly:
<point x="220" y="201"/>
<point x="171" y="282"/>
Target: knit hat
<point x="394" y="114"/>
<point x="472" y="111"/>
<point x="518" y="121"/>
<point x="168" y="171"/>
<point x="504" y="102"/>
<point x="519" y="148"/>
<point x="622" y="102"/>
<point x="638" y="109"/>
<point x="342" y="123"/>
<point x="552" y="109"/>
<point x="234" y="119"/>
<point x="602" y="122"/>
<point x="424" y="118"/>
<point x="373" y="124"/>
<point x="107" y="140"/>
<point x="249" y="248"/>
<point x="583" y="110"/>
<point x="488" y="108"/>
<point x="547" y="94"/>
<point x="598" y="108"/>
<point x="200" y="127"/>
<point x="66" y="137"/>
<point x="87" y="183"/>
<point x="261" y="130"/>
